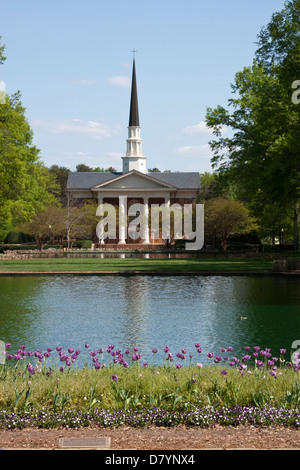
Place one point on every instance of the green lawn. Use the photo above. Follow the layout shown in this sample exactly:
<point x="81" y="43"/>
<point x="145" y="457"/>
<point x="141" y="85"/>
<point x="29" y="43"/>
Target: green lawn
<point x="152" y="265"/>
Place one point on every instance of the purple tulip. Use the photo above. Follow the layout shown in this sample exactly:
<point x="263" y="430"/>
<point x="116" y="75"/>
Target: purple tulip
<point x="246" y="357"/>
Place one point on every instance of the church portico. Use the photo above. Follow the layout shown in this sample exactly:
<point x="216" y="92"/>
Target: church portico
<point x="129" y="205"/>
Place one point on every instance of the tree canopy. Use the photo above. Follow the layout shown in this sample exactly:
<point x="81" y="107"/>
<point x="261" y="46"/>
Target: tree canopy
<point x="2" y="49"/>
<point x="262" y="153"/>
<point x="25" y="185"/>
<point x="25" y="182"/>
<point x="225" y="218"/>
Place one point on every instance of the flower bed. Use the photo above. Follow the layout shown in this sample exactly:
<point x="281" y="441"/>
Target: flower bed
<point x="108" y="387"/>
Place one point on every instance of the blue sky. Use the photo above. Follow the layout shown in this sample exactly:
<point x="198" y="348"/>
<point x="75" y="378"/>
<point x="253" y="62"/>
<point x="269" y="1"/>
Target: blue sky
<point x="72" y="62"/>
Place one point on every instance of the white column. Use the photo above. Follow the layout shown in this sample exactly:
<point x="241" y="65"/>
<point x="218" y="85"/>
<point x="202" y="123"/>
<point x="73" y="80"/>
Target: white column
<point x="101" y="238"/>
<point x="122" y="219"/>
<point x="145" y="235"/>
<point x="167" y="203"/>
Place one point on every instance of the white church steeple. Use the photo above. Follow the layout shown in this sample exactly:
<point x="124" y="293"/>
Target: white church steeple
<point x="134" y="159"/>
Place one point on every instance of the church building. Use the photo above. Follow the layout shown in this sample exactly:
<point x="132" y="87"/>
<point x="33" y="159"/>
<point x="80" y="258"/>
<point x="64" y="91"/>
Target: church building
<point x="134" y="185"/>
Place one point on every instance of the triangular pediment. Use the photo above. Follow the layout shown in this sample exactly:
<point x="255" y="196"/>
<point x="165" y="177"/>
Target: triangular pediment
<point x="133" y="180"/>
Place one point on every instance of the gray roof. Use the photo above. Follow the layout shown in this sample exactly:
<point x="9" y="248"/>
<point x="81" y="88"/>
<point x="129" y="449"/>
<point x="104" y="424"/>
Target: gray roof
<point x="188" y="180"/>
<point x="86" y="180"/>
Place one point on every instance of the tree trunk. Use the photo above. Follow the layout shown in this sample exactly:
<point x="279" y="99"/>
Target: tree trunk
<point x="224" y="244"/>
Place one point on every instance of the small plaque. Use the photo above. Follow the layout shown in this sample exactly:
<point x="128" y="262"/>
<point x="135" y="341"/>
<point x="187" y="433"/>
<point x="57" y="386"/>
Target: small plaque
<point x="86" y="442"/>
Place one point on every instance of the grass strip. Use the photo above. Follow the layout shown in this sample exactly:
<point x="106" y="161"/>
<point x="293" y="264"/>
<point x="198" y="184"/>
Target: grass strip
<point x="191" y="265"/>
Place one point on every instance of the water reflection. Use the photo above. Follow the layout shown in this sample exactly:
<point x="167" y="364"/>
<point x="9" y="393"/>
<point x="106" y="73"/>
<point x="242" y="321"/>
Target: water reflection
<point x="150" y="312"/>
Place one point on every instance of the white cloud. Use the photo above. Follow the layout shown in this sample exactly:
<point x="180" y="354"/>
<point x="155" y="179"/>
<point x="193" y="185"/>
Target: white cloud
<point x="200" y="151"/>
<point x="94" y="129"/>
<point x="84" y="81"/>
<point x="200" y="128"/>
<point x="120" y="81"/>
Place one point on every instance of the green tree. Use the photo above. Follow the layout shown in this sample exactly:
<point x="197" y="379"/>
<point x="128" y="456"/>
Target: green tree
<point x="25" y="182"/>
<point x="60" y="224"/>
<point x="60" y="174"/>
<point x="79" y="219"/>
<point x="2" y="49"/>
<point x="154" y="170"/>
<point x="111" y="169"/>
<point x="224" y="218"/>
<point x="82" y="167"/>
<point x="262" y="155"/>
<point x="40" y="226"/>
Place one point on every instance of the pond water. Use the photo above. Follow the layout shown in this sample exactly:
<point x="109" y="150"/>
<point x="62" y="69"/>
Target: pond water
<point x="150" y="312"/>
